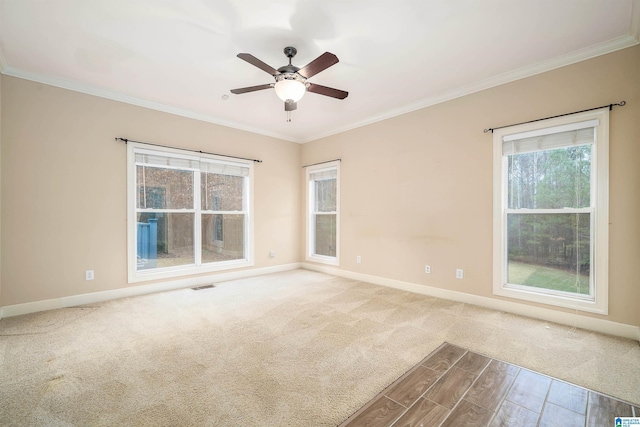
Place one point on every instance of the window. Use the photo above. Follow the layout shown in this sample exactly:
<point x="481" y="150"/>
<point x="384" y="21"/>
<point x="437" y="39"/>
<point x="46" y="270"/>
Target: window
<point x="323" y="219"/>
<point x="187" y="213"/>
<point x="551" y="211"/>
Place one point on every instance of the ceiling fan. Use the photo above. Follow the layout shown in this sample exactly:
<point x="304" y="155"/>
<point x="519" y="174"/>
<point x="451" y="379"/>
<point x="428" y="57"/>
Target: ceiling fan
<point x="291" y="82"/>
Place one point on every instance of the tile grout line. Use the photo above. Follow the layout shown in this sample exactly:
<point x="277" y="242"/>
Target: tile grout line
<point x="467" y="391"/>
<point x="434" y="383"/>
<point x="511" y="387"/>
<point x="410" y="371"/>
<point x="406" y="409"/>
<point x="544" y="403"/>
<point x="440" y="377"/>
<point x="588" y="411"/>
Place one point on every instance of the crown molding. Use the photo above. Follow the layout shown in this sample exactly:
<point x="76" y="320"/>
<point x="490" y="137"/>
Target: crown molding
<point x="508" y="77"/>
<point x="541" y="67"/>
<point x="634" y="29"/>
<point x="114" y="96"/>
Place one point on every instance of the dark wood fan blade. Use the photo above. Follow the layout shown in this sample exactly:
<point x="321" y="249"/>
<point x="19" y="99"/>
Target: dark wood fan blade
<point x="290" y="106"/>
<point x="256" y="62"/>
<point x="321" y="63"/>
<point x="326" y="91"/>
<point x="252" y="88"/>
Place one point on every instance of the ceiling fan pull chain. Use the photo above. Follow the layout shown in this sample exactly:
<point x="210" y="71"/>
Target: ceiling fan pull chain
<point x="288" y="116"/>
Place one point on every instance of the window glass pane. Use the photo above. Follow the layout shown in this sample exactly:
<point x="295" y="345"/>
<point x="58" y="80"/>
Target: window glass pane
<point x="550" y="179"/>
<point x="550" y="251"/>
<point x="222" y="237"/>
<point x="221" y="192"/>
<point x="158" y="188"/>
<point x="325" y="195"/>
<point x="325" y="235"/>
<point x="164" y="239"/>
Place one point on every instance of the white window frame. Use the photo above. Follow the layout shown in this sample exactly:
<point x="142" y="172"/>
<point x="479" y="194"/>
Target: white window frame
<point x="599" y="211"/>
<point x="135" y="275"/>
<point x="311" y="255"/>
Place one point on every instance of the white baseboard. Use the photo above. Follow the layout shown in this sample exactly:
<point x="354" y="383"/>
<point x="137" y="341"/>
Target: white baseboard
<point x="94" y="297"/>
<point x="571" y="319"/>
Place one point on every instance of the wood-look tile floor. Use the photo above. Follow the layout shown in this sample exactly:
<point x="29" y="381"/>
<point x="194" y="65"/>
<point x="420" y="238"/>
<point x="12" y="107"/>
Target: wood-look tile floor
<point x="456" y="387"/>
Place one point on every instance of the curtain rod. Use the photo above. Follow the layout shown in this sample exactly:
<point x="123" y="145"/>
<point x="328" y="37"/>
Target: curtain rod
<point x="125" y="140"/>
<point x="620" y="104"/>
<point x="320" y="163"/>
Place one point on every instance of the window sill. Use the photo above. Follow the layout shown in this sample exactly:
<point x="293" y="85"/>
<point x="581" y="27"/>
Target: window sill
<point x="187" y="270"/>
<point x="592" y="306"/>
<point x="324" y="260"/>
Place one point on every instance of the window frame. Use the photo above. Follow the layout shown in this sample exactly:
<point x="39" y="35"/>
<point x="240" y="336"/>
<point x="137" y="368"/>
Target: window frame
<point x="599" y="211"/>
<point x="310" y="234"/>
<point x="135" y="275"/>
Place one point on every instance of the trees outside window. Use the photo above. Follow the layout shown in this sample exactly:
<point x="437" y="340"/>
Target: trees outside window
<point x="551" y="211"/>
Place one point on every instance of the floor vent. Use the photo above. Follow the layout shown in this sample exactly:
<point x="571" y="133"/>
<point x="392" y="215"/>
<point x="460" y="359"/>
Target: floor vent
<point x="199" y="288"/>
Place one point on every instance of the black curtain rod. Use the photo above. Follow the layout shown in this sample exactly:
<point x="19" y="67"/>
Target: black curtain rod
<point x="125" y="140"/>
<point x="620" y="104"/>
<point x="320" y="163"/>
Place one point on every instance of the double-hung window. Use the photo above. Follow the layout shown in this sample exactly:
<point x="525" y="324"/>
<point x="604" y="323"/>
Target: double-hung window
<point x="187" y="213"/>
<point x="551" y="211"/>
<point x="323" y="213"/>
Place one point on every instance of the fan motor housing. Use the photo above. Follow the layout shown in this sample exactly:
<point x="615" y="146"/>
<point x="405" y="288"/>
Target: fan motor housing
<point x="288" y="69"/>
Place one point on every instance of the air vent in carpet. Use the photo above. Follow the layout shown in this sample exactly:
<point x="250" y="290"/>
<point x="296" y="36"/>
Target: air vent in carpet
<point x="199" y="288"/>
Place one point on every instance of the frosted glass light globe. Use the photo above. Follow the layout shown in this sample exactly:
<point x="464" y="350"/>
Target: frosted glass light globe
<point x="290" y="90"/>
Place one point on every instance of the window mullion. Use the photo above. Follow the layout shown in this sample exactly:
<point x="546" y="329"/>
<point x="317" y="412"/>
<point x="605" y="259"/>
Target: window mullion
<point x="247" y="223"/>
<point x="550" y="211"/>
<point x="209" y="212"/>
<point x="197" y="220"/>
<point x="152" y="210"/>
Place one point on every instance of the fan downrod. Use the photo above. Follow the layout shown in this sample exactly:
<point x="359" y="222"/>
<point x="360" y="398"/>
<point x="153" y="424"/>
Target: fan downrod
<point x="289" y="69"/>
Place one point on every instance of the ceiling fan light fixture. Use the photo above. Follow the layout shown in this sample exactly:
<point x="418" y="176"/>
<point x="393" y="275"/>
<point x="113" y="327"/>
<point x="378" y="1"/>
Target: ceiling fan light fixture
<point x="290" y="87"/>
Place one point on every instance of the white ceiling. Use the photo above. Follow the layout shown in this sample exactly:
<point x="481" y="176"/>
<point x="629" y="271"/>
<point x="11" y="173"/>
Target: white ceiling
<point x="395" y="56"/>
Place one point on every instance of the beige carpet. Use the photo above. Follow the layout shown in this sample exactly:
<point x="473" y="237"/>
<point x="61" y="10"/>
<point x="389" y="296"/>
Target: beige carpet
<point x="291" y="349"/>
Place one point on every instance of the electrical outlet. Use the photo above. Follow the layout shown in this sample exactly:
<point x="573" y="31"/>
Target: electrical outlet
<point x="88" y="275"/>
<point x="427" y="269"/>
<point x="459" y="273"/>
<point x="272" y="254"/>
<point x="358" y="259"/>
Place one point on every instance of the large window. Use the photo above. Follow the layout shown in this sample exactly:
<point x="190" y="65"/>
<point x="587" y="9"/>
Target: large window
<point x="551" y="211"/>
<point x="323" y="207"/>
<point x="187" y="213"/>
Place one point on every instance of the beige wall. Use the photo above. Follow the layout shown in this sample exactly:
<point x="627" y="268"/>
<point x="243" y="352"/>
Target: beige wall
<point x="417" y="189"/>
<point x="63" y="187"/>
